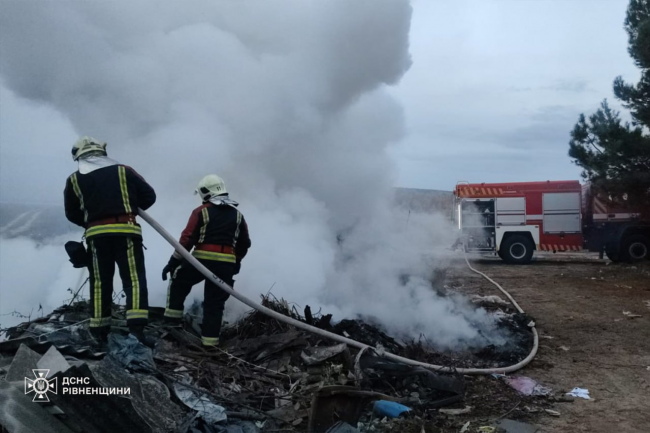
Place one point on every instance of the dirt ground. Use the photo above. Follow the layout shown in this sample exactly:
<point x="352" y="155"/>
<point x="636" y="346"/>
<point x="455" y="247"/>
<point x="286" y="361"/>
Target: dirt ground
<point x="586" y="341"/>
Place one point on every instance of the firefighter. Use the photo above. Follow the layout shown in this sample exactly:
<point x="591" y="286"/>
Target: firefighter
<point x="103" y="197"/>
<point x="219" y="235"/>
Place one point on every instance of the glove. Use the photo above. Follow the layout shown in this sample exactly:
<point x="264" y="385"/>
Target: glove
<point x="171" y="267"/>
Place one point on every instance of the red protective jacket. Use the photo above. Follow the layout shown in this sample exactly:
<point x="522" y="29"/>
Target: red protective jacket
<point x="216" y="226"/>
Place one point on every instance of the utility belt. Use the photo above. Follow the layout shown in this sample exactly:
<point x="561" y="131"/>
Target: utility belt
<point x="114" y="225"/>
<point x="117" y="219"/>
<point x="220" y="253"/>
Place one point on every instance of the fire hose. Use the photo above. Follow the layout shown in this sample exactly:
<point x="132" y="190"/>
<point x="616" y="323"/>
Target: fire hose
<point x="330" y="335"/>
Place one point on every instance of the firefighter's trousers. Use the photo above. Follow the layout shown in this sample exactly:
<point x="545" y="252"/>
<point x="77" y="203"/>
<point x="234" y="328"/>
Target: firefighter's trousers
<point x="104" y="253"/>
<point x="214" y="299"/>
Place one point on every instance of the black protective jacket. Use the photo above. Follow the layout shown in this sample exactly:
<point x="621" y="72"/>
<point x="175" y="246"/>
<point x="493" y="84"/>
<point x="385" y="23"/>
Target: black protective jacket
<point x="105" y="201"/>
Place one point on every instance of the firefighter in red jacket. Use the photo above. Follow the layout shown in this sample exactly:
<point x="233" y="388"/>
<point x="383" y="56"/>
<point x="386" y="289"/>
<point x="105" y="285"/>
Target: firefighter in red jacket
<point x="103" y="197"/>
<point x="218" y="232"/>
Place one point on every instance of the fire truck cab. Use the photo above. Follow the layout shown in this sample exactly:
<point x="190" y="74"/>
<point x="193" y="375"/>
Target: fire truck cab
<point x="515" y="219"/>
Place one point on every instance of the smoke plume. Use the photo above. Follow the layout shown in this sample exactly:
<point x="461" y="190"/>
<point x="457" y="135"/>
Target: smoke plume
<point x="287" y="102"/>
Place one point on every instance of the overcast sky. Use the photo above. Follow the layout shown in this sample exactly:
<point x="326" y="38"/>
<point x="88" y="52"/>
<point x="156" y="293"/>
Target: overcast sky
<point x="496" y="86"/>
<point x="493" y="92"/>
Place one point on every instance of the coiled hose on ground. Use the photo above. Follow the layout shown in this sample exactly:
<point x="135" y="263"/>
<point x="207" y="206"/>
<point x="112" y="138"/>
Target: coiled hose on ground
<point x="341" y="339"/>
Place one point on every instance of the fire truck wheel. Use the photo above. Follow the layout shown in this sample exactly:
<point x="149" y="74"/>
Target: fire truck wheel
<point x="635" y="248"/>
<point x="517" y="249"/>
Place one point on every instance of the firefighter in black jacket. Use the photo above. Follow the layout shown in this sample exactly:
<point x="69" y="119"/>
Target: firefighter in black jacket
<point x="103" y="197"/>
<point x="219" y="234"/>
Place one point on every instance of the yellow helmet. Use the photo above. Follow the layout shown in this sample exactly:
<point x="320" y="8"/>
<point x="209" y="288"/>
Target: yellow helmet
<point x="85" y="145"/>
<point x="210" y="186"/>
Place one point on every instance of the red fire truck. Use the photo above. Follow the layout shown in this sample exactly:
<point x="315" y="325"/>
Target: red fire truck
<point x="514" y="219"/>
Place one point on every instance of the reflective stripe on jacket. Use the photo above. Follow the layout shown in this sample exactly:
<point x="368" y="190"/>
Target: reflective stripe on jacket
<point x="213" y="225"/>
<point x="115" y="191"/>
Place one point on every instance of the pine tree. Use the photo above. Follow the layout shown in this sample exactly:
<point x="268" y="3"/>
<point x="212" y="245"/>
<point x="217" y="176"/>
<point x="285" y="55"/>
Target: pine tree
<point x="615" y="156"/>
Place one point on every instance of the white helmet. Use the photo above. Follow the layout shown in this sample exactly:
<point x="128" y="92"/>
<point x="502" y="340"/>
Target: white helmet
<point x="210" y="186"/>
<point x="85" y="145"/>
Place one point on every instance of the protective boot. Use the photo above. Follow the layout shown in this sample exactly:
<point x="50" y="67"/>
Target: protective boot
<point x="138" y="332"/>
<point x="173" y="322"/>
<point x="101" y="337"/>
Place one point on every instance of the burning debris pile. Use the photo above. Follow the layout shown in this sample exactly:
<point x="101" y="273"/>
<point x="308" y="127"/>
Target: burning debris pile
<point x="267" y="376"/>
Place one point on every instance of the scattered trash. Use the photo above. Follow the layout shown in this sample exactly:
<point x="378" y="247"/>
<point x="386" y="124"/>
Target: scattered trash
<point x="565" y="348"/>
<point x="631" y="315"/>
<point x="552" y="412"/>
<point x="269" y="376"/>
<point x="527" y="386"/>
<point x="579" y="392"/>
<point x="318" y="355"/>
<point x="647" y="303"/>
<point x="487" y="429"/>
<point x="465" y="427"/>
<point x="548" y="337"/>
<point x="390" y="408"/>
<point x="207" y="410"/>
<point x="454" y="412"/>
<point x="129" y="352"/>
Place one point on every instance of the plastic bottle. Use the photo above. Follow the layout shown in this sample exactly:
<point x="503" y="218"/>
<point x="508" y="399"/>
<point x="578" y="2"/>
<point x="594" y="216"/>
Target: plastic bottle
<point x="390" y="408"/>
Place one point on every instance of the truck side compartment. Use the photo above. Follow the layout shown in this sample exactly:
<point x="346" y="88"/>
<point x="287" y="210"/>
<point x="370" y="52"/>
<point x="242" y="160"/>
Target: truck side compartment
<point x="514" y="219"/>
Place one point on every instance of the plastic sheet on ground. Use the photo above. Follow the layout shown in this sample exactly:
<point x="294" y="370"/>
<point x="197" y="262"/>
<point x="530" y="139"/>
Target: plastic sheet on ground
<point x="210" y="412"/>
<point x="130" y="353"/>
<point x="527" y="386"/>
<point x="579" y="392"/>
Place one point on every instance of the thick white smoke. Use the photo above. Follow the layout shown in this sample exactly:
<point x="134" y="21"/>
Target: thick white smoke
<point x="287" y="102"/>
